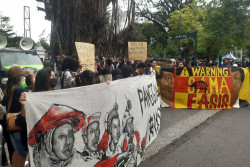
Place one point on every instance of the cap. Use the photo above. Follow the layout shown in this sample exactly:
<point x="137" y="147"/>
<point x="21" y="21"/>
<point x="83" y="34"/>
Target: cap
<point x="93" y="118"/>
<point x="127" y="114"/>
<point x="125" y="117"/>
<point x="113" y="113"/>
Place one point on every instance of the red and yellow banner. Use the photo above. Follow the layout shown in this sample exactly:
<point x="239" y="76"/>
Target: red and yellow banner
<point x="204" y="88"/>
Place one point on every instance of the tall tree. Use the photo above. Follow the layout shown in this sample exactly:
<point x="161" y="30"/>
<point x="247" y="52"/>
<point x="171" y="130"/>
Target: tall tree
<point x="158" y="11"/>
<point x="44" y="44"/>
<point x="86" y="21"/>
<point x="227" y="22"/>
<point x="157" y="42"/>
<point x="185" y="21"/>
<point x="7" y="30"/>
<point x="223" y="26"/>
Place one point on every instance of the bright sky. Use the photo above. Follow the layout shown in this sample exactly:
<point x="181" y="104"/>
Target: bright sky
<point x="14" y="10"/>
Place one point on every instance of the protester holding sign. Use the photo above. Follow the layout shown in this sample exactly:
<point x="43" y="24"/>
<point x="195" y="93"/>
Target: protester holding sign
<point x="86" y="55"/>
<point x="45" y="81"/>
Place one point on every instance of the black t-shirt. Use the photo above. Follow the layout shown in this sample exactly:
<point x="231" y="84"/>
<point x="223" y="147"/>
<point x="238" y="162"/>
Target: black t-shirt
<point x="107" y="70"/>
<point x="5" y="101"/>
<point x="134" y="66"/>
<point x="16" y="106"/>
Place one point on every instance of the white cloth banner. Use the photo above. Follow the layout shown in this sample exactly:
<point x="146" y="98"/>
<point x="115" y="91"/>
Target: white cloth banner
<point x="99" y="125"/>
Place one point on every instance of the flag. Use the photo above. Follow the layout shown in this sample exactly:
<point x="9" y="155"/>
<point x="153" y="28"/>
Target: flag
<point x="42" y="34"/>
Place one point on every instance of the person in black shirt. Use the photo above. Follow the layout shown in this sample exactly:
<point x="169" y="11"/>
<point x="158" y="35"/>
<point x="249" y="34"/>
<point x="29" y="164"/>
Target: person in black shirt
<point x="15" y="78"/>
<point x="141" y="69"/>
<point x="127" y="71"/>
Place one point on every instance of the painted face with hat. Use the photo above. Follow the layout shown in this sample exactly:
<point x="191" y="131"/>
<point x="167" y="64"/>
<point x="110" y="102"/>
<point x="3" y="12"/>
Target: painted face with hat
<point x="54" y="133"/>
<point x="63" y="141"/>
<point x="129" y="126"/>
<point x="91" y="134"/>
<point x="127" y="121"/>
<point x="113" y="125"/>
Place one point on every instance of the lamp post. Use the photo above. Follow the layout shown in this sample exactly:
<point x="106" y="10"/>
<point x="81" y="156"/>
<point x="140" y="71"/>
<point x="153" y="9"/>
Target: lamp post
<point x="180" y="34"/>
<point x="195" y="44"/>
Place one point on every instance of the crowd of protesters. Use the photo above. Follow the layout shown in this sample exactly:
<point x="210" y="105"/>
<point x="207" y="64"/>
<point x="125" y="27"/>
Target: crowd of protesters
<point x="67" y="71"/>
<point x="68" y="67"/>
<point x="14" y="130"/>
<point x="69" y="74"/>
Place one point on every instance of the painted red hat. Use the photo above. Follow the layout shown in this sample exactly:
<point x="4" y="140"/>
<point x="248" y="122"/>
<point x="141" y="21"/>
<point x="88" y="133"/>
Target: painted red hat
<point x="93" y="118"/>
<point x="55" y="116"/>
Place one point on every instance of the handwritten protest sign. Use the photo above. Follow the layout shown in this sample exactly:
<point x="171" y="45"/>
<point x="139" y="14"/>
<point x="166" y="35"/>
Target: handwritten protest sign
<point x="86" y="55"/>
<point x="137" y="50"/>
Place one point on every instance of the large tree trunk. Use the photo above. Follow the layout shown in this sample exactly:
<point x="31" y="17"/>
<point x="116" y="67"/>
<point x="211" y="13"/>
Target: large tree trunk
<point x="78" y="20"/>
<point x="88" y="21"/>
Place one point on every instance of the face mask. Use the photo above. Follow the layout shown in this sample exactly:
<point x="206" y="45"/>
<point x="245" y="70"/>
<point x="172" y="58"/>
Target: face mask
<point x="53" y="82"/>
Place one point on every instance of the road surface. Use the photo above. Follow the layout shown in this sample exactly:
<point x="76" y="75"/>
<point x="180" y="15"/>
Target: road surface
<point x="223" y="141"/>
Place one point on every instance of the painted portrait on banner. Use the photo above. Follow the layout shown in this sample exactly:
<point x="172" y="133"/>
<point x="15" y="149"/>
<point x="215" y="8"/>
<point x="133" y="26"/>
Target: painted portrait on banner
<point x="202" y="88"/>
<point x="103" y="125"/>
<point x="166" y="85"/>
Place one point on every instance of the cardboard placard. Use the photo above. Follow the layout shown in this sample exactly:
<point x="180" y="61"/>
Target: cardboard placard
<point x="137" y="50"/>
<point x="86" y="55"/>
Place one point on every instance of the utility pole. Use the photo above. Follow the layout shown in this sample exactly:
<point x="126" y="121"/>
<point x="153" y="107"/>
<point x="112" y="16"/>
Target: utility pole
<point x="27" y="29"/>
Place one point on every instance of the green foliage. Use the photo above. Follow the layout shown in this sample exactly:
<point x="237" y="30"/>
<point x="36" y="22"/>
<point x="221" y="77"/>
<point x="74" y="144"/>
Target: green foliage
<point x="172" y="50"/>
<point x="44" y="44"/>
<point x="223" y="26"/>
<point x="228" y="24"/>
<point x="189" y="19"/>
<point x="150" y="33"/>
<point x="7" y="30"/>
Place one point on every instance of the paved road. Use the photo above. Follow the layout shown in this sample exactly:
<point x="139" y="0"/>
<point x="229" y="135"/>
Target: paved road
<point x="169" y="116"/>
<point x="223" y="141"/>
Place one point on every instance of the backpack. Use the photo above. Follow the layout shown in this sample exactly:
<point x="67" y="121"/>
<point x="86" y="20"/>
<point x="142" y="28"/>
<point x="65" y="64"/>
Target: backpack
<point x="62" y="78"/>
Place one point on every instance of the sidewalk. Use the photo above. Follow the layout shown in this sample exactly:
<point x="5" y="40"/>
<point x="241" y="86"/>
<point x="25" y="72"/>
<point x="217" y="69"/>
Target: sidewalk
<point x="174" y="124"/>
